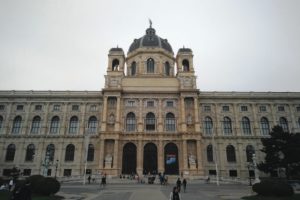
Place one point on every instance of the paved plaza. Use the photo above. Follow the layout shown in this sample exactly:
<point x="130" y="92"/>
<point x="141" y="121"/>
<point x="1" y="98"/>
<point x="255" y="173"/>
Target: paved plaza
<point x="135" y="191"/>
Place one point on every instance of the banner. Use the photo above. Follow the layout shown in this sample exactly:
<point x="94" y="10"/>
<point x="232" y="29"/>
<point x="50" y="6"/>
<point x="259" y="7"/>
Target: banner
<point x="171" y="159"/>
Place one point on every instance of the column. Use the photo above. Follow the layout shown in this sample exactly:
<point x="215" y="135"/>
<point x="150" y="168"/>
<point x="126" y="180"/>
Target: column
<point x="140" y="127"/>
<point x="199" y="156"/>
<point x="160" y="157"/>
<point x="140" y="152"/>
<point x="101" y="153"/>
<point x="160" y="118"/>
<point x="104" y="114"/>
<point x="116" y="153"/>
<point x="183" y="123"/>
<point x="184" y="155"/>
<point x="117" y="123"/>
<point x="197" y="123"/>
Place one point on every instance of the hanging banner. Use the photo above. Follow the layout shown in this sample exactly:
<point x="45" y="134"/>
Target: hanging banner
<point x="171" y="159"/>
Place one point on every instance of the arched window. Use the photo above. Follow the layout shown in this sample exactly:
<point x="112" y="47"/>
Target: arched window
<point x="186" y="65"/>
<point x="150" y="65"/>
<point x="170" y="122"/>
<point x="150" y="122"/>
<point x="249" y="152"/>
<point x="230" y="153"/>
<point x="90" y="155"/>
<point x="70" y="151"/>
<point x="246" y="126"/>
<point x="73" y="124"/>
<point x="92" y="124"/>
<point x="227" y="126"/>
<point x="115" y="65"/>
<point x="167" y="68"/>
<point x="284" y="124"/>
<point x="17" y="125"/>
<point x="54" y="126"/>
<point x="36" y="123"/>
<point x="133" y="68"/>
<point x="264" y="125"/>
<point x="208" y="125"/>
<point x="50" y="150"/>
<point x="10" y="152"/>
<point x="130" y="122"/>
<point x="1" y="122"/>
<point x="209" y="153"/>
<point x="30" y="151"/>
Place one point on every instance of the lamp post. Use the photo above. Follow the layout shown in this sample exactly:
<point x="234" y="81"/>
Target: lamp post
<point x="86" y="144"/>
<point x="56" y="166"/>
<point x="216" y="160"/>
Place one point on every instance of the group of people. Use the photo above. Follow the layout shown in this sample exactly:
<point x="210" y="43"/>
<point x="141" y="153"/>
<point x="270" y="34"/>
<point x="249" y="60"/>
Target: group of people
<point x="19" y="190"/>
<point x="102" y="182"/>
<point x="175" y="194"/>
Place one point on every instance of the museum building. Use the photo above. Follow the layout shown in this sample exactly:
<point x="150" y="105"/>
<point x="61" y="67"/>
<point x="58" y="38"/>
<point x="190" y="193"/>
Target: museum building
<point x="150" y="117"/>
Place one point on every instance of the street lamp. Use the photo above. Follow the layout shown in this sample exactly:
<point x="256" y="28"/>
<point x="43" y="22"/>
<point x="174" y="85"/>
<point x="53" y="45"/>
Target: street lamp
<point x="56" y="166"/>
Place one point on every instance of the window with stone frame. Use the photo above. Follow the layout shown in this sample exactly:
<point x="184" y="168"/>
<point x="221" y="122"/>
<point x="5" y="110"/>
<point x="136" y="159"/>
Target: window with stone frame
<point x="10" y="153"/>
<point x="67" y="172"/>
<point x="16" y="127"/>
<point x="227" y="126"/>
<point x="225" y="108"/>
<point x="208" y="126"/>
<point x="284" y="124"/>
<point x="244" y="108"/>
<point x="30" y="153"/>
<point x="209" y="153"/>
<point x="150" y="122"/>
<point x="230" y="153"/>
<point x="75" y="107"/>
<point x="150" y="103"/>
<point x="298" y="108"/>
<point x="1" y="123"/>
<point x="91" y="151"/>
<point x="36" y="124"/>
<point x="130" y="122"/>
<point x="92" y="124"/>
<point x="246" y="127"/>
<point x="73" y="126"/>
<point x="2" y="107"/>
<point x="281" y="108"/>
<point x="20" y="107"/>
<point x="56" y="107"/>
<point x="264" y="126"/>
<point x="170" y="104"/>
<point x="54" y="125"/>
<point x="170" y="123"/>
<point x="207" y="108"/>
<point x="262" y="108"/>
<point x="70" y="152"/>
<point x="249" y="153"/>
<point x="38" y="107"/>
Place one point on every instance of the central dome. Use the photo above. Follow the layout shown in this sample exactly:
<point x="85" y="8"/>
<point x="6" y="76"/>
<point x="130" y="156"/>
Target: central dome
<point x="150" y="40"/>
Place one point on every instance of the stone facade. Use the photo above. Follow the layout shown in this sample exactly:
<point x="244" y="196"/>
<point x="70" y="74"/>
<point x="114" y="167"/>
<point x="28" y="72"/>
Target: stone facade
<point x="150" y="117"/>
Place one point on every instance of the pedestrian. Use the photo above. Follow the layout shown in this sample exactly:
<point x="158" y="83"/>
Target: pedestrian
<point x="10" y="184"/>
<point x="89" y="179"/>
<point x="174" y="195"/>
<point x="208" y="179"/>
<point x="178" y="184"/>
<point x="184" y="184"/>
<point x="103" y="181"/>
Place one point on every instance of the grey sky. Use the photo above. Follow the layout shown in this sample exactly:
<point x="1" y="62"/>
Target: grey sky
<point x="246" y="45"/>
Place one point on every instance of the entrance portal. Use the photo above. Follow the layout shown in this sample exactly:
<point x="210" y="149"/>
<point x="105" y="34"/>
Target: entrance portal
<point x="150" y="159"/>
<point x="171" y="159"/>
<point x="129" y="159"/>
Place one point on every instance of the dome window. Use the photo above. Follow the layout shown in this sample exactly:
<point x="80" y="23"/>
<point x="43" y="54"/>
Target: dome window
<point x="133" y="68"/>
<point x="185" y="65"/>
<point x="150" y="65"/>
<point x="115" y="65"/>
<point x="167" y="69"/>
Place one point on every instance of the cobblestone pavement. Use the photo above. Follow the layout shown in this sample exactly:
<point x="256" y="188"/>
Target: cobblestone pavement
<point x="134" y="191"/>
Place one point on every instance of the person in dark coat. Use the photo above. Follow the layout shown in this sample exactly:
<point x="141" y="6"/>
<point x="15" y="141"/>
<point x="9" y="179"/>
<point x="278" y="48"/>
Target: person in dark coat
<point x="178" y="184"/>
<point x="184" y="184"/>
<point x="174" y="195"/>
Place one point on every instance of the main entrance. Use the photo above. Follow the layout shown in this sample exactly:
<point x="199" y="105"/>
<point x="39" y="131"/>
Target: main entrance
<point x="171" y="159"/>
<point x="150" y="159"/>
<point x="129" y="159"/>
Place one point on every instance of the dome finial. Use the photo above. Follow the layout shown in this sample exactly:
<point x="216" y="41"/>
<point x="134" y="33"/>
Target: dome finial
<point x="150" y="22"/>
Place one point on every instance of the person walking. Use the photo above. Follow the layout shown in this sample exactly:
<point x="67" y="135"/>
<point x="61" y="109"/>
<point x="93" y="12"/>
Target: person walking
<point x="184" y="184"/>
<point x="89" y="179"/>
<point x="175" y="195"/>
<point x="178" y="184"/>
<point x="103" y="181"/>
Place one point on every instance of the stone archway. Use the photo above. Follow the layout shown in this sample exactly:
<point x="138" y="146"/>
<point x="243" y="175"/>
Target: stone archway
<point x="171" y="159"/>
<point x="129" y="159"/>
<point x="150" y="159"/>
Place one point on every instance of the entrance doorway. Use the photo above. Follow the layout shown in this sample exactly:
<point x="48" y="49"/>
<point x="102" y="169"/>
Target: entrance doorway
<point x="171" y="159"/>
<point x="129" y="159"/>
<point x="150" y="159"/>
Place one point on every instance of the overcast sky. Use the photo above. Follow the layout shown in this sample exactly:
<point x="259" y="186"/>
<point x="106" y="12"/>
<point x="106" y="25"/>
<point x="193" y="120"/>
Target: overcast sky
<point x="245" y="45"/>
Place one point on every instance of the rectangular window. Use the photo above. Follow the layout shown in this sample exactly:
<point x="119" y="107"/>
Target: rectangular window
<point x="170" y="104"/>
<point x="20" y="107"/>
<point x="26" y="172"/>
<point x="56" y="108"/>
<point x="298" y="108"/>
<point x="88" y="171"/>
<point x="244" y="108"/>
<point x="212" y="172"/>
<point x="49" y="172"/>
<point x="67" y="172"/>
<point x="280" y="108"/>
<point x="93" y="108"/>
<point x="2" y="107"/>
<point x="150" y="103"/>
<point x="130" y="103"/>
<point x="38" y="107"/>
<point x="262" y="108"/>
<point x="232" y="173"/>
<point x="112" y="102"/>
<point x="207" y="108"/>
<point x="225" y="108"/>
<point x="75" y="107"/>
<point x="6" y="172"/>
